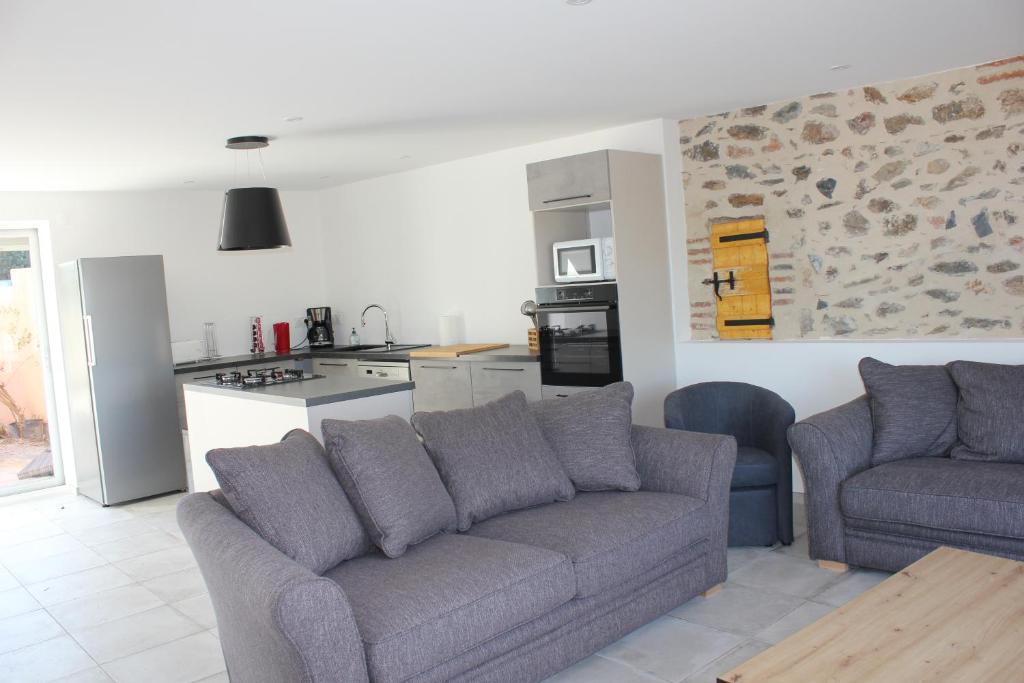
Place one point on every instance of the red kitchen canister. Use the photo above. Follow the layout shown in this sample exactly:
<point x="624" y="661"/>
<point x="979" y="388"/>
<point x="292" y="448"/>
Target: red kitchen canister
<point x="282" y="338"/>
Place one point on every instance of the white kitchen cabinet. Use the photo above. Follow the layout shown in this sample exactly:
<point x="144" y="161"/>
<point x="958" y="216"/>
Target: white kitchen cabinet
<point x="441" y="384"/>
<point x="334" y="367"/>
<point x="549" y="391"/>
<point x="452" y="384"/>
<point x="494" y="380"/>
<point x="183" y="378"/>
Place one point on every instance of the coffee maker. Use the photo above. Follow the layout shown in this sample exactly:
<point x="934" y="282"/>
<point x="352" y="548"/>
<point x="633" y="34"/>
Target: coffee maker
<point x="319" y="330"/>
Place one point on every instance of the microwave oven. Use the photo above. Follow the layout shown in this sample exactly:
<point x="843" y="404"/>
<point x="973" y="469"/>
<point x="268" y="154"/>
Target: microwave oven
<point x="589" y="260"/>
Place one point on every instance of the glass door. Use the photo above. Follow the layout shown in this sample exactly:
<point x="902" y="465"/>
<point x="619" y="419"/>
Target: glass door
<point x="29" y="457"/>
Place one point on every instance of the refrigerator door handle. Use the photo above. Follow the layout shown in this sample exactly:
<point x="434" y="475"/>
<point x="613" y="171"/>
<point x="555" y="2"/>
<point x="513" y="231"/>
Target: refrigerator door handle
<point x="90" y="349"/>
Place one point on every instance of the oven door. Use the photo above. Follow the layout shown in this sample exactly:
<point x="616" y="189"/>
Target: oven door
<point x="579" y="345"/>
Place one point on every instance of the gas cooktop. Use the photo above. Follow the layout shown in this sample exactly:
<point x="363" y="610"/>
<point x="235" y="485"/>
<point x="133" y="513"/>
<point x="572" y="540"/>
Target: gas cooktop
<point x="261" y="377"/>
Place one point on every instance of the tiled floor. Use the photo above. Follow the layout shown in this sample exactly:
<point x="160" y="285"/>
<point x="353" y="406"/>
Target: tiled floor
<point x="98" y="594"/>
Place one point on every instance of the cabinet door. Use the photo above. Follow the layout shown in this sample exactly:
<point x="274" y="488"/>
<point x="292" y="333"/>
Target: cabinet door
<point x="183" y="378"/>
<point x="551" y="391"/>
<point x="580" y="179"/>
<point x="441" y="385"/>
<point x="338" y="367"/>
<point x="494" y="380"/>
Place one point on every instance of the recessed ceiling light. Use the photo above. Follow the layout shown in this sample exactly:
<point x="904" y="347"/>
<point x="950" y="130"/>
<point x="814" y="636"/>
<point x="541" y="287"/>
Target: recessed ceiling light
<point x="190" y="182"/>
<point x="405" y="156"/>
<point x="324" y="177"/>
<point x="292" y="119"/>
<point x="840" y="67"/>
<point x="577" y="2"/>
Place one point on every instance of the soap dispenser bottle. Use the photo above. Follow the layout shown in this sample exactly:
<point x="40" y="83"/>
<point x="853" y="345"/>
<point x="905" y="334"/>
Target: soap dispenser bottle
<point x="353" y="339"/>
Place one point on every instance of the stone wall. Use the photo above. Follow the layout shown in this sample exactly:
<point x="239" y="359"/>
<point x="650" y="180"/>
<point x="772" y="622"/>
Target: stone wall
<point x="894" y="210"/>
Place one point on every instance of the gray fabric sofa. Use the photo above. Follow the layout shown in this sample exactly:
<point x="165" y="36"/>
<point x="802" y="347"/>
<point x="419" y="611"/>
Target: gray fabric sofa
<point x="518" y="597"/>
<point x="889" y="515"/>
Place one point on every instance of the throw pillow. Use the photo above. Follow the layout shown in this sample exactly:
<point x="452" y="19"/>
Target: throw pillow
<point x="492" y="458"/>
<point x="287" y="494"/>
<point x="590" y="433"/>
<point x="913" y="410"/>
<point x="991" y="411"/>
<point x="390" y="480"/>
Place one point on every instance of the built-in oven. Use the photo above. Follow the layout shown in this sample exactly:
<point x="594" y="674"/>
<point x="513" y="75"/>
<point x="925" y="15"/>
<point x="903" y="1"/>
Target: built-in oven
<point x="579" y="335"/>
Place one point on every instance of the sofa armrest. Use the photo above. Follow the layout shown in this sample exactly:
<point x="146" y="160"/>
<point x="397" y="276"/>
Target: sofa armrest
<point x="830" y="447"/>
<point x="278" y="620"/>
<point x="695" y="465"/>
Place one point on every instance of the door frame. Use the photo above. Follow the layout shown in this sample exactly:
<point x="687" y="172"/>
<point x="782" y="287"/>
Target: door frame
<point x="51" y="357"/>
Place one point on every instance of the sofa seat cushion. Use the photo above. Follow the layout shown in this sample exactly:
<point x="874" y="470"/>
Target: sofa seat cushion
<point x="754" y="467"/>
<point x="447" y="595"/>
<point x="610" y="536"/>
<point x="939" y="493"/>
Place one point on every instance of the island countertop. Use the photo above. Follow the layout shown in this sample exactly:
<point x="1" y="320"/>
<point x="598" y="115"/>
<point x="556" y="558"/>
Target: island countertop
<point x="310" y="392"/>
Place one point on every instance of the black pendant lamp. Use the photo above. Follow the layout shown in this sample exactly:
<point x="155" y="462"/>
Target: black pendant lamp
<point x="252" y="217"/>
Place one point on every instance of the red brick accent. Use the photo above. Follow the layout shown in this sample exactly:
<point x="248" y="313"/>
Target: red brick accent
<point x="1003" y="62"/>
<point x="1004" y="76"/>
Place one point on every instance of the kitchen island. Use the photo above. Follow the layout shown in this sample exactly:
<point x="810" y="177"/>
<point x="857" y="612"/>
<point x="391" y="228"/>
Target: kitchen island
<point x="225" y="417"/>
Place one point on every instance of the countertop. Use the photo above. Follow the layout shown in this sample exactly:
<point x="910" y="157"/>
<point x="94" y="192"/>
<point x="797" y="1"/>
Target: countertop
<point x="516" y="353"/>
<point x="311" y="392"/>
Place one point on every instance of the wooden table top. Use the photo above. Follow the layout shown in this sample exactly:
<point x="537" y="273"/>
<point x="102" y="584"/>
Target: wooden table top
<point x="951" y="616"/>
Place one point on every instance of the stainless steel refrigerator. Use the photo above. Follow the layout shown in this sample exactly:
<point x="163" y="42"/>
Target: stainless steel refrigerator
<point x="117" y="350"/>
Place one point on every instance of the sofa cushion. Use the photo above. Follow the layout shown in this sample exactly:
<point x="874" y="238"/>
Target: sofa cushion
<point x="754" y="467"/>
<point x="609" y="536"/>
<point x="590" y="434"/>
<point x="288" y="494"/>
<point x="913" y="410"/>
<point x="492" y="458"/>
<point x="446" y="596"/>
<point x="939" y="493"/>
<point x="990" y="413"/>
<point x="390" y="480"/>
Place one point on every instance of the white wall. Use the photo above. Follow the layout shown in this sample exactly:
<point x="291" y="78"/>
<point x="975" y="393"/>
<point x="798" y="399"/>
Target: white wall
<point x="452" y="237"/>
<point x="202" y="284"/>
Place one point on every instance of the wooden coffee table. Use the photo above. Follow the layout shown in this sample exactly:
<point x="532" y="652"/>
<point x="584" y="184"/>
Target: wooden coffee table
<point x="951" y="616"/>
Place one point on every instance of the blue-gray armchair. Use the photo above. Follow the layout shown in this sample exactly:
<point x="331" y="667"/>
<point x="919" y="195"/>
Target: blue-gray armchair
<point x="761" y="495"/>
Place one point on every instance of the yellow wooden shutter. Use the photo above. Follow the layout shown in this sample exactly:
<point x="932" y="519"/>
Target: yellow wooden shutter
<point x="739" y="252"/>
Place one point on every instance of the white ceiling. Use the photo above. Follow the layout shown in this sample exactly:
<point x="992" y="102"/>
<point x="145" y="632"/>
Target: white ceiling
<point x="137" y="94"/>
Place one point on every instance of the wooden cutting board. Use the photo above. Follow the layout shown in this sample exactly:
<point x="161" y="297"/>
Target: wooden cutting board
<point x="454" y="351"/>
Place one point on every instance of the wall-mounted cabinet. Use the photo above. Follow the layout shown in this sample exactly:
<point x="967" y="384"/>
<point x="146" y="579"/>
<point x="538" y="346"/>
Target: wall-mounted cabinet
<point x="618" y="194"/>
<point x="569" y="181"/>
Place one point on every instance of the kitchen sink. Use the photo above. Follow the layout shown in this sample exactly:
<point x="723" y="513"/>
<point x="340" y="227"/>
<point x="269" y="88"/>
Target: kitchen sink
<point x="380" y="348"/>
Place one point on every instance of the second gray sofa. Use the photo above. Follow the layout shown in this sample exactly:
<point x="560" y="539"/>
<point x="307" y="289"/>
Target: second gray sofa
<point x="888" y="481"/>
<point x="517" y="597"/>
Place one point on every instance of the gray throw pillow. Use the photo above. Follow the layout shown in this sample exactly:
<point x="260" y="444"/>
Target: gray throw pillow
<point x="493" y="458"/>
<point x="287" y="493"/>
<point x="590" y="433"/>
<point x="990" y="412"/>
<point x="913" y="410"/>
<point x="390" y="480"/>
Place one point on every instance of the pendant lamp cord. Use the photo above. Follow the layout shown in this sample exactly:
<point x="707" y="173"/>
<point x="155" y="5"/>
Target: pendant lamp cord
<point x="263" y="171"/>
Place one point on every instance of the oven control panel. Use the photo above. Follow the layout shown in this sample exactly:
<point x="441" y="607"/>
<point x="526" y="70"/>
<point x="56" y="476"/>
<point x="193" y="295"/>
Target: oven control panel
<point x="574" y="294"/>
<point x="604" y="292"/>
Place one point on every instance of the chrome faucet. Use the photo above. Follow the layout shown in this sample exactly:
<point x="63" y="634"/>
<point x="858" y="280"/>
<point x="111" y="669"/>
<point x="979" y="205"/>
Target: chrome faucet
<point x="388" y="339"/>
